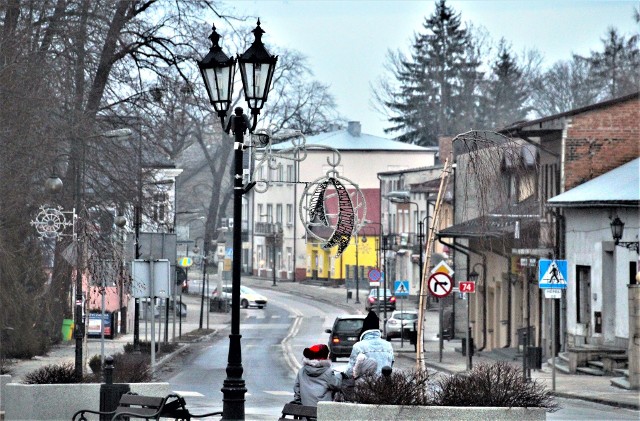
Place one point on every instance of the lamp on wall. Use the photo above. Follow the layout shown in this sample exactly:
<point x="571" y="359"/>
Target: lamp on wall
<point x="617" y="229"/>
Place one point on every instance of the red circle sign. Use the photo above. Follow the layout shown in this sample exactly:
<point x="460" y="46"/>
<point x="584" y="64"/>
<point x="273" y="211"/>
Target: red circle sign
<point x="440" y="284"/>
<point x="374" y="275"/>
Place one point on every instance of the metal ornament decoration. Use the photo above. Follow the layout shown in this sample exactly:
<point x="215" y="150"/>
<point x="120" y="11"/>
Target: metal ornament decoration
<point x="313" y="206"/>
<point x="332" y="229"/>
<point x="51" y="222"/>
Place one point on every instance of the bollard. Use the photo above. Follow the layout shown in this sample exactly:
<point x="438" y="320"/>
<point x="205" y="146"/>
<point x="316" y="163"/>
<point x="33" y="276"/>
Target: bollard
<point x="386" y="371"/>
<point x="110" y="393"/>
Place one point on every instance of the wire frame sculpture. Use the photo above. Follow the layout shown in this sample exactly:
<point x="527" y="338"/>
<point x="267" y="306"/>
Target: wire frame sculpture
<point x="51" y="222"/>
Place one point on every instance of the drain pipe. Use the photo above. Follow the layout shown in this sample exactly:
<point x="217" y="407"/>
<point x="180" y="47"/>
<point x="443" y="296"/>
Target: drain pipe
<point x="461" y="248"/>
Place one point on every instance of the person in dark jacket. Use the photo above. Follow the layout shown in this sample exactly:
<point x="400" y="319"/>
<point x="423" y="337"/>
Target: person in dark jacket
<point x="371" y="345"/>
<point x="315" y="380"/>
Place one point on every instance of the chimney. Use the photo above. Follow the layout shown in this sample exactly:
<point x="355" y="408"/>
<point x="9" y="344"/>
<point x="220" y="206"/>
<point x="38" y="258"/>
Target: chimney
<point x="354" y="128"/>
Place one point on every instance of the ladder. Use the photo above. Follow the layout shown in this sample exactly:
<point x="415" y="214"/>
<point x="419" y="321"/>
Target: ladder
<point x="444" y="181"/>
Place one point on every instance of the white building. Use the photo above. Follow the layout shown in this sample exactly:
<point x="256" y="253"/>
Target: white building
<point x="362" y="156"/>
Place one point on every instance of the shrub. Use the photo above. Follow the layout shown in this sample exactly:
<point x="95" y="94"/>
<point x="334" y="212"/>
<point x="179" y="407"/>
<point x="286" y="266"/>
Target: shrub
<point x="145" y="347"/>
<point x="131" y="368"/>
<point x="399" y="388"/>
<point x="500" y="385"/>
<point x="53" y="374"/>
<point x="5" y="366"/>
<point x="95" y="364"/>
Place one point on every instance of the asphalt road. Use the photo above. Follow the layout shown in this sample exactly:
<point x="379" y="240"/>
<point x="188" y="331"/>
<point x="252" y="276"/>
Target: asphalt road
<point x="273" y="339"/>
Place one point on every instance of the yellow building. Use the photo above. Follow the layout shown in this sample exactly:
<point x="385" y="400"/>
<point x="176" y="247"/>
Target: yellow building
<point x="322" y="264"/>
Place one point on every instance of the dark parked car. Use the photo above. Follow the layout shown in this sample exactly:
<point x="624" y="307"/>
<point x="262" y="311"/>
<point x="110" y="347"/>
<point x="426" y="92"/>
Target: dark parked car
<point x="343" y="334"/>
<point x="372" y="300"/>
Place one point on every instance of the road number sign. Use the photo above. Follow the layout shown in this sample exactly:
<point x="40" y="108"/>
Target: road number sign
<point x="440" y="284"/>
<point x="467" y="286"/>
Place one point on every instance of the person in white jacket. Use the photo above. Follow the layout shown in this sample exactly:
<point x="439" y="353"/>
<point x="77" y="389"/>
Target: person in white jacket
<point x="315" y="381"/>
<point x="371" y="345"/>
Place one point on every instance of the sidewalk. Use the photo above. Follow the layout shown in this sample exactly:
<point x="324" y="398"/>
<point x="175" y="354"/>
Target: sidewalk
<point x="65" y="351"/>
<point x="591" y="388"/>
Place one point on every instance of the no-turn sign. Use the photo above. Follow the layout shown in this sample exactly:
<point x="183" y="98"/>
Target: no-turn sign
<point x="440" y="284"/>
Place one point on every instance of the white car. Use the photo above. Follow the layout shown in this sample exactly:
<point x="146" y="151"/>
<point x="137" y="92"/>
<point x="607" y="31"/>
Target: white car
<point x="405" y="318"/>
<point x="248" y="297"/>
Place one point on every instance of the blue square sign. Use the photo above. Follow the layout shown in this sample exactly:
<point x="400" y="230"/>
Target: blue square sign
<point x="401" y="288"/>
<point x="552" y="274"/>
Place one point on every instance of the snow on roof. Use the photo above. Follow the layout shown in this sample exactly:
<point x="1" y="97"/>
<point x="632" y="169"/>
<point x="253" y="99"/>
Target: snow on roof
<point x="620" y="185"/>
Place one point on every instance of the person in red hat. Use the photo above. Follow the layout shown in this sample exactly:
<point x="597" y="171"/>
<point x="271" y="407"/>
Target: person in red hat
<point x="315" y="381"/>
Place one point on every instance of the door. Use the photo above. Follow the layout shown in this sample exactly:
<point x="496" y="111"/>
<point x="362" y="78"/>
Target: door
<point x="583" y="298"/>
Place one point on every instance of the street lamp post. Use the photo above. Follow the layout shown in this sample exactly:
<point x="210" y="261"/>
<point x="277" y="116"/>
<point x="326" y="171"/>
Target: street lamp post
<point x="473" y="277"/>
<point x="256" y="69"/>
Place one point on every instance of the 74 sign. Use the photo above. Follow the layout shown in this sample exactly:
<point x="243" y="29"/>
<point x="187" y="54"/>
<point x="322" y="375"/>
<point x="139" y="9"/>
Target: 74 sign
<point x="467" y="286"/>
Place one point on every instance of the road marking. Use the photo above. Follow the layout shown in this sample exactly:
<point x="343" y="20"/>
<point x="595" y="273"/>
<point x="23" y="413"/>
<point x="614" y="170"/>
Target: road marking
<point x="187" y="393"/>
<point x="279" y="392"/>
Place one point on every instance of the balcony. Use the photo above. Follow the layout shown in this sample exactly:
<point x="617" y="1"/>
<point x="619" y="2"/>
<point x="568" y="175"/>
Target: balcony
<point x="267" y="229"/>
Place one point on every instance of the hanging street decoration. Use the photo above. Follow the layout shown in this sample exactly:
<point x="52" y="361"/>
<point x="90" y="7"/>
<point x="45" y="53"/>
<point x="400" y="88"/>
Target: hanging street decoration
<point x="51" y="222"/>
<point x="331" y="208"/>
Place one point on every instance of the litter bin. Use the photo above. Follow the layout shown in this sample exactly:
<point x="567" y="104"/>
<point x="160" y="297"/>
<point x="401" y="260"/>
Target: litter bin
<point x="67" y="329"/>
<point x="464" y="346"/>
<point x="534" y="357"/>
<point x="349" y="295"/>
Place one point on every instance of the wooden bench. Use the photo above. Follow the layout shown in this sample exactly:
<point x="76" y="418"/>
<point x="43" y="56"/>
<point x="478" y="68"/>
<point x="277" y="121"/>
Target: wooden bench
<point x="298" y="412"/>
<point x="146" y="407"/>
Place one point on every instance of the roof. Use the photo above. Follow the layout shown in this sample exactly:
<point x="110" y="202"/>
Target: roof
<point x="353" y="140"/>
<point x="514" y="128"/>
<point x="620" y="186"/>
<point x="497" y="223"/>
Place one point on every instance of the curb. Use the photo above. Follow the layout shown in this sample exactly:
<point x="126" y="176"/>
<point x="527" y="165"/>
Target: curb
<point x="569" y="395"/>
<point x="184" y="346"/>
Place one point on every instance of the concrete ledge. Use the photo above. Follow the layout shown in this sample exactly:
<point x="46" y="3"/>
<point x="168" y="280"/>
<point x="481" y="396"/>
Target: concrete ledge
<point x="44" y="402"/>
<point x="360" y="412"/>
<point x="4" y="380"/>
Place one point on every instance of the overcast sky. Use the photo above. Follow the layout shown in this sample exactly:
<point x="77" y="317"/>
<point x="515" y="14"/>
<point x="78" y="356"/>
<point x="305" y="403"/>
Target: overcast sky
<point x="346" y="41"/>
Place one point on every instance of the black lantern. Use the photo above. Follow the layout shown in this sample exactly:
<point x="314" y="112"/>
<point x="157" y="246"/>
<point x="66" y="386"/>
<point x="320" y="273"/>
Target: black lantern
<point x="473" y="276"/>
<point x="217" y="71"/>
<point x="617" y="228"/>
<point x="256" y="68"/>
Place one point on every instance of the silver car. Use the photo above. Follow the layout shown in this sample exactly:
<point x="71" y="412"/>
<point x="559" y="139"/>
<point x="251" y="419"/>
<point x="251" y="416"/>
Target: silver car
<point x="405" y="318"/>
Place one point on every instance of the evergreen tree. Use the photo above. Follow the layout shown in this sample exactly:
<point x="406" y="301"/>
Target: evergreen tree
<point x="506" y="92"/>
<point x="615" y="68"/>
<point x="438" y="84"/>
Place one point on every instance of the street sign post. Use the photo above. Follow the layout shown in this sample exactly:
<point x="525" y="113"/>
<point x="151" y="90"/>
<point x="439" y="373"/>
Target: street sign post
<point x="552" y="274"/>
<point x="440" y="284"/>
<point x="401" y="288"/>
<point x="374" y="276"/>
<point x="468" y="287"/>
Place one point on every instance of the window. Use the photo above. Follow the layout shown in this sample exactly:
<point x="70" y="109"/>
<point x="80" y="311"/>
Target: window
<point x="160" y="203"/>
<point x="279" y="213"/>
<point x="270" y="213"/>
<point x="290" y="174"/>
<point x="289" y="214"/>
<point x="280" y="173"/>
<point x="260" y="209"/>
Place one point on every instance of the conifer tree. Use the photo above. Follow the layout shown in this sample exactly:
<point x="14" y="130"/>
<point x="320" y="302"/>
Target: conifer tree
<point x="437" y="86"/>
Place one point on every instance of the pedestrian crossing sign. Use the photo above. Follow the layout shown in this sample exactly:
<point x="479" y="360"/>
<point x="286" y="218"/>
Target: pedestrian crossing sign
<point x="552" y="274"/>
<point x="401" y="288"/>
